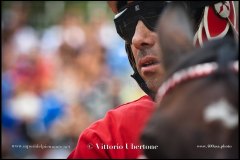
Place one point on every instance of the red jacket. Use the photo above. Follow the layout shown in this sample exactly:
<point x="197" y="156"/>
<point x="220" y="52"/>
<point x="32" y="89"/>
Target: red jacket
<point x="117" y="134"/>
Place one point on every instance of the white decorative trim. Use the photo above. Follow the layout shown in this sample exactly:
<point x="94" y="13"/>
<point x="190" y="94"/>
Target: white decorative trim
<point x="234" y="13"/>
<point x="120" y="13"/>
<point x="235" y="17"/>
<point x="195" y="37"/>
<point x="200" y="40"/>
<point x="205" y="24"/>
<point x="234" y="25"/>
<point x="224" y="13"/>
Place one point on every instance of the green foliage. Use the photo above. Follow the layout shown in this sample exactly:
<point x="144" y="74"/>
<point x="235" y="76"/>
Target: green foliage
<point x="42" y="14"/>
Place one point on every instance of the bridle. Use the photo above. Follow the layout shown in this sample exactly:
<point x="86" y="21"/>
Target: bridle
<point x="193" y="72"/>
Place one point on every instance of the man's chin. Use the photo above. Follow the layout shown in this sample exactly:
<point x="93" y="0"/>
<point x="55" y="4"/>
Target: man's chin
<point x="153" y="85"/>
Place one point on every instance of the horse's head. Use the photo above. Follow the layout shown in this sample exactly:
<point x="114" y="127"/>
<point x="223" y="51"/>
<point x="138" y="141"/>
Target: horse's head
<point x="175" y="34"/>
<point x="197" y="105"/>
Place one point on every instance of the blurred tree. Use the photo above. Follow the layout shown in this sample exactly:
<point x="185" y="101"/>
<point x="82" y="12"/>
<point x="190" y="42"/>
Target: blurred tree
<point x="45" y="13"/>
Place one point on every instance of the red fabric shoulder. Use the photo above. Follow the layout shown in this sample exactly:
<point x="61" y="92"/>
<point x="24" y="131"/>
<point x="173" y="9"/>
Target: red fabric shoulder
<point x="117" y="134"/>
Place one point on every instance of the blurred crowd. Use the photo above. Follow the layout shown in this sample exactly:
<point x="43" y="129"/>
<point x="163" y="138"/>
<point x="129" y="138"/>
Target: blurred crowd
<point x="56" y="82"/>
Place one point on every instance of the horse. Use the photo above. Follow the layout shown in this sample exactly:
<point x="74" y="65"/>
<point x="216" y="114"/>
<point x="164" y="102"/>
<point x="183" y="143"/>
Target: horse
<point x="196" y="112"/>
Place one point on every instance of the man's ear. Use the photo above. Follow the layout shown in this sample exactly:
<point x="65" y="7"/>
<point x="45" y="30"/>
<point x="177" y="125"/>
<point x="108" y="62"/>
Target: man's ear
<point x="175" y="33"/>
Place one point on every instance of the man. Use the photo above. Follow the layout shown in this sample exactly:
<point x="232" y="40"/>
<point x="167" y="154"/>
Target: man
<point x="117" y="134"/>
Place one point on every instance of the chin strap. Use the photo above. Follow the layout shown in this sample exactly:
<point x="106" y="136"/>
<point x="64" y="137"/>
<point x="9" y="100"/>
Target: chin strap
<point x="143" y="85"/>
<point x="136" y="75"/>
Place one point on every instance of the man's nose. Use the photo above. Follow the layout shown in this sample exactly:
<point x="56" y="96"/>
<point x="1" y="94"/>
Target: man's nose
<point x="142" y="37"/>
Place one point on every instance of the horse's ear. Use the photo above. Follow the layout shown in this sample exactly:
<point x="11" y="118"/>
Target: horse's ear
<point x="175" y="33"/>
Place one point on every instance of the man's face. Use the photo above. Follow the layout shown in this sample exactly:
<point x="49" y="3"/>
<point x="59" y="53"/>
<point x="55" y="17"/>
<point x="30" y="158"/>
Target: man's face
<point x="136" y="25"/>
<point x="147" y="55"/>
